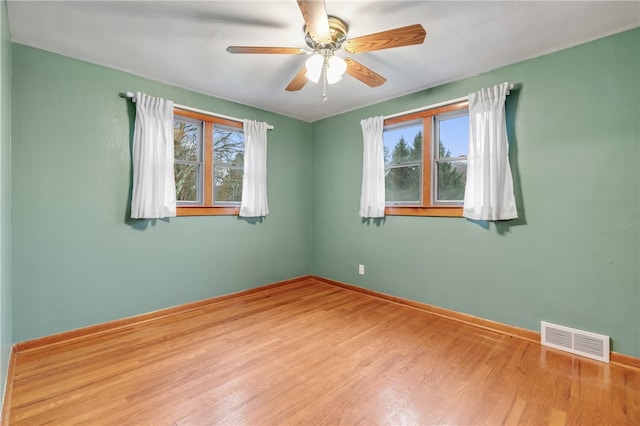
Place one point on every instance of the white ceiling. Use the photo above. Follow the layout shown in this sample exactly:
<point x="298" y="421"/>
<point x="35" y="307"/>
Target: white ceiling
<point x="183" y="43"/>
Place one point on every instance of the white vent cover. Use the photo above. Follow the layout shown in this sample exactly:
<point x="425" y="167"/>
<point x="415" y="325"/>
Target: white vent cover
<point x="577" y="342"/>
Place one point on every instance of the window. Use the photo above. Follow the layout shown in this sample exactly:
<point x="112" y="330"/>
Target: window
<point x="209" y="164"/>
<point x="425" y="157"/>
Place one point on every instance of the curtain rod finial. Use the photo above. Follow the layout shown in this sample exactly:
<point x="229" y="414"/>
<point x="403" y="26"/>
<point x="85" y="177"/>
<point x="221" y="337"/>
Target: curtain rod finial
<point x="129" y="95"/>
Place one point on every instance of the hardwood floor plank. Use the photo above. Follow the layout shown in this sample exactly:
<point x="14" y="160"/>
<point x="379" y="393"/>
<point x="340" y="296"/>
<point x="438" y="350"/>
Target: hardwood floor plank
<point x="309" y="352"/>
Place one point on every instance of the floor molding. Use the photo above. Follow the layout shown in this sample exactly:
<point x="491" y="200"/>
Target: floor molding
<point x="113" y="326"/>
<point x="509" y="330"/>
<point x="8" y="390"/>
<point x="498" y="327"/>
<point x="625" y="360"/>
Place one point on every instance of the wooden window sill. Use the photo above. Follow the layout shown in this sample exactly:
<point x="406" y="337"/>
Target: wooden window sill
<point x="439" y="211"/>
<point x="207" y="211"/>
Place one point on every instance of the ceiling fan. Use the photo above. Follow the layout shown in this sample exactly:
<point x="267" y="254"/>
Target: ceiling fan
<point x="326" y="35"/>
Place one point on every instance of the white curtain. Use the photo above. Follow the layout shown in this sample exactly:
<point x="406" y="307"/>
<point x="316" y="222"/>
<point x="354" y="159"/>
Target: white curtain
<point x="254" y="182"/>
<point x="154" y="188"/>
<point x="372" y="199"/>
<point x="489" y="189"/>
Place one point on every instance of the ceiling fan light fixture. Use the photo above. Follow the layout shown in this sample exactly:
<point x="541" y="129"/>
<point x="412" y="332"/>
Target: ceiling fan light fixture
<point x="335" y="67"/>
<point x="314" y="66"/>
<point x="326" y="35"/>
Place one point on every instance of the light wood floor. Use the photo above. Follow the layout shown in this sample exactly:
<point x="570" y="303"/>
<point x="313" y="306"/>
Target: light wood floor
<point x="313" y="353"/>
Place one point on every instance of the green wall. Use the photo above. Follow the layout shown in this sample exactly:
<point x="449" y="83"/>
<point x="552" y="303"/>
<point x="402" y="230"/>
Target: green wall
<point x="77" y="259"/>
<point x="572" y="258"/>
<point x="5" y="196"/>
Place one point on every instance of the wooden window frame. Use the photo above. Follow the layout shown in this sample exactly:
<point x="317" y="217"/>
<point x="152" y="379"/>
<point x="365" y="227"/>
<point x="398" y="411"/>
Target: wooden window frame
<point x="207" y="208"/>
<point x="427" y="208"/>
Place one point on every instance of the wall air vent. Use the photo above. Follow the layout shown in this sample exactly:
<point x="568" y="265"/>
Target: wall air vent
<point x="591" y="345"/>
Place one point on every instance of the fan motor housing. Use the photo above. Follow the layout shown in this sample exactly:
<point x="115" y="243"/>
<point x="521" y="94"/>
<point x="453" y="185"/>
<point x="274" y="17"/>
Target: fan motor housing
<point x="339" y="31"/>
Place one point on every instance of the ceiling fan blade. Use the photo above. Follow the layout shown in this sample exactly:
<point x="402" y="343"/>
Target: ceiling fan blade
<point x="364" y="74"/>
<point x="298" y="81"/>
<point x="398" y="37"/>
<point x="267" y="50"/>
<point x="316" y="19"/>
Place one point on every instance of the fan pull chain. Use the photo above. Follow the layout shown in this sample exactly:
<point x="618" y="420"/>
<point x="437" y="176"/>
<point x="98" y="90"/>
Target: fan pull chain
<point x="325" y="66"/>
<point x="324" y="88"/>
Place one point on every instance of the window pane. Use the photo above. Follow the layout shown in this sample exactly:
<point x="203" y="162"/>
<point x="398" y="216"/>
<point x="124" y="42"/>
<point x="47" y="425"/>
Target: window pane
<point x="403" y="184"/>
<point x="403" y="144"/>
<point x="228" y="184"/>
<point x="186" y="140"/>
<point x="452" y="176"/>
<point x="454" y="136"/>
<point x="228" y="146"/>
<point x="187" y="177"/>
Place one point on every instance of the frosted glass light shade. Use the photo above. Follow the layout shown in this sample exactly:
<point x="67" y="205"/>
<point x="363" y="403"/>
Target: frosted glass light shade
<point x="335" y="70"/>
<point x="314" y="67"/>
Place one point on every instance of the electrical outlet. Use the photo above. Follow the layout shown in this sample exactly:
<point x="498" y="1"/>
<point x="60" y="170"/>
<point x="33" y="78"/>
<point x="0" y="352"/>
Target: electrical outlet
<point x="361" y="269"/>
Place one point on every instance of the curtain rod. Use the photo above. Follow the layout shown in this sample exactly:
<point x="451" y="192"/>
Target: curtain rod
<point x="131" y="96"/>
<point x="439" y="104"/>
